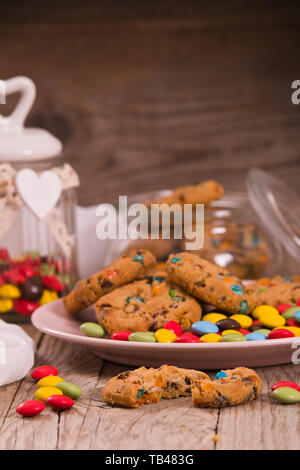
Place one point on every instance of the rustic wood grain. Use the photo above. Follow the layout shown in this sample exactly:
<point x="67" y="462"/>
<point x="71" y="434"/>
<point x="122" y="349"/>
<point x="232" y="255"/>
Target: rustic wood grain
<point x="157" y="94"/>
<point x="171" y="424"/>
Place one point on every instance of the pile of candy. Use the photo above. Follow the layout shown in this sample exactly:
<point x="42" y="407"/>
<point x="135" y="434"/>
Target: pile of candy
<point x="267" y="323"/>
<point x="28" y="282"/>
<point x="286" y="392"/>
<point x="52" y="390"/>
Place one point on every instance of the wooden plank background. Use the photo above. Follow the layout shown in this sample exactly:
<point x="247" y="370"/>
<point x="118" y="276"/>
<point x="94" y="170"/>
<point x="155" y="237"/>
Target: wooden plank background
<point x="148" y="95"/>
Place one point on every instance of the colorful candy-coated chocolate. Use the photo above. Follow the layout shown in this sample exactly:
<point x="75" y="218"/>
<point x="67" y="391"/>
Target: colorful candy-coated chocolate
<point x="221" y="375"/>
<point x="229" y="332"/>
<point x="297" y="316"/>
<point x="174" y="327"/>
<point x="24" y="307"/>
<point x="60" y="402"/>
<point x="288" y="313"/>
<point x="262" y="309"/>
<point x="264" y="331"/>
<point x="27" y="271"/>
<point x="292" y="322"/>
<point x="9" y="291"/>
<point x="187" y="337"/>
<point x="228" y="324"/>
<point x="286" y="383"/>
<point x="122" y="335"/>
<point x="32" y="289"/>
<point x="6" y="305"/>
<point x="49" y="381"/>
<point x="43" y="371"/>
<point x="30" y="407"/>
<point x="13" y="276"/>
<point x="243" y="331"/>
<point x="293" y="329"/>
<point x="271" y="320"/>
<point x="233" y="337"/>
<point x="70" y="390"/>
<point x="214" y="317"/>
<point x="165" y="336"/>
<point x="52" y="283"/>
<point x="280" y="333"/>
<point x="283" y="307"/>
<point x="204" y="327"/>
<point x="93" y="330"/>
<point x="48" y="296"/>
<point x="244" y="320"/>
<point x="143" y="336"/>
<point x="210" y="338"/>
<point x="43" y="393"/>
<point x="254" y="336"/>
<point x="286" y="395"/>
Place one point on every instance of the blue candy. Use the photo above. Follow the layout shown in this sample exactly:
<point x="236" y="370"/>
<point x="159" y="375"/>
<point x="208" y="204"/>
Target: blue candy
<point x="297" y="316"/>
<point x="255" y="336"/>
<point x="204" y="327"/>
<point x="220" y="375"/>
<point x="175" y="260"/>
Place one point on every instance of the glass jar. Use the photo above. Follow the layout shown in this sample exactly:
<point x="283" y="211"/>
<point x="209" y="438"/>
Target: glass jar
<point x="233" y="238"/>
<point x="37" y="250"/>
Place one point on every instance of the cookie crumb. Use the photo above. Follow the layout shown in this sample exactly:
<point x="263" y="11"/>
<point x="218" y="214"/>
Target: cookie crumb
<point x="215" y="438"/>
<point x="182" y="425"/>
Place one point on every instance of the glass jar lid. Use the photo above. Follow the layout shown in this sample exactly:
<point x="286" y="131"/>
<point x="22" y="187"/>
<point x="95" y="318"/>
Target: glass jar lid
<point x="19" y="143"/>
<point x="278" y="208"/>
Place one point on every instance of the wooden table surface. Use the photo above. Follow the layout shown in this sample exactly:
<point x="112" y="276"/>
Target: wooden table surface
<point x="171" y="424"/>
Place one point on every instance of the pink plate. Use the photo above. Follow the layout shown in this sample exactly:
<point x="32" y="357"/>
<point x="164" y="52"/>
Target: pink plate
<point x="53" y="319"/>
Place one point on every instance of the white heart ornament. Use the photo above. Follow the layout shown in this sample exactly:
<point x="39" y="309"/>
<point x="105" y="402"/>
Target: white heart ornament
<point x="39" y="192"/>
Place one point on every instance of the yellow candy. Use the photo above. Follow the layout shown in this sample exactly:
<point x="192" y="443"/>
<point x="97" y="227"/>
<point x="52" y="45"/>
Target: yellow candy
<point x="48" y="296"/>
<point x="228" y="332"/>
<point x="49" y="381"/>
<point x="9" y="291"/>
<point x="262" y="309"/>
<point x="271" y="320"/>
<point x="243" y="320"/>
<point x="293" y="329"/>
<point x="6" y="305"/>
<point x="157" y="290"/>
<point x="213" y="317"/>
<point x="43" y="393"/>
<point x="165" y="336"/>
<point x="210" y="338"/>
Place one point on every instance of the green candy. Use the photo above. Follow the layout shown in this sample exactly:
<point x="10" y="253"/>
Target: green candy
<point x="290" y="312"/>
<point x="143" y="336"/>
<point x="264" y="331"/>
<point x="92" y="329"/>
<point x="233" y="337"/>
<point x="70" y="390"/>
<point x="286" y="395"/>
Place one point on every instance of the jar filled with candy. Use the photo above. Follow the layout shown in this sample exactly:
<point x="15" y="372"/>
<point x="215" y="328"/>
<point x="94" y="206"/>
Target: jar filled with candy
<point x="37" y="199"/>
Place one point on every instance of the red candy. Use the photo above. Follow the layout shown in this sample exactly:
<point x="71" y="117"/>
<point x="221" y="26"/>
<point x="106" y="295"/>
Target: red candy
<point x="187" y="338"/>
<point x="282" y="307"/>
<point x="298" y="302"/>
<point x="121" y="335"/>
<point x="244" y="332"/>
<point x="110" y="273"/>
<point x="1" y="280"/>
<point x="174" y="327"/>
<point x="59" y="402"/>
<point x="24" y="307"/>
<point x="14" y="277"/>
<point x="286" y="383"/>
<point x="43" y="371"/>
<point x="280" y="333"/>
<point x="3" y="254"/>
<point x="30" y="408"/>
<point x="292" y="322"/>
<point x="26" y="271"/>
<point x="52" y="283"/>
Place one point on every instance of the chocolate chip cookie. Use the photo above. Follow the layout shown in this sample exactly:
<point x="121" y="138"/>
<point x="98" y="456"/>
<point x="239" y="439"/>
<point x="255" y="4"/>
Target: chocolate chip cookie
<point x="275" y="291"/>
<point x="146" y="305"/>
<point x="123" y="270"/>
<point x="240" y="385"/>
<point x="137" y="387"/>
<point x="209" y="283"/>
